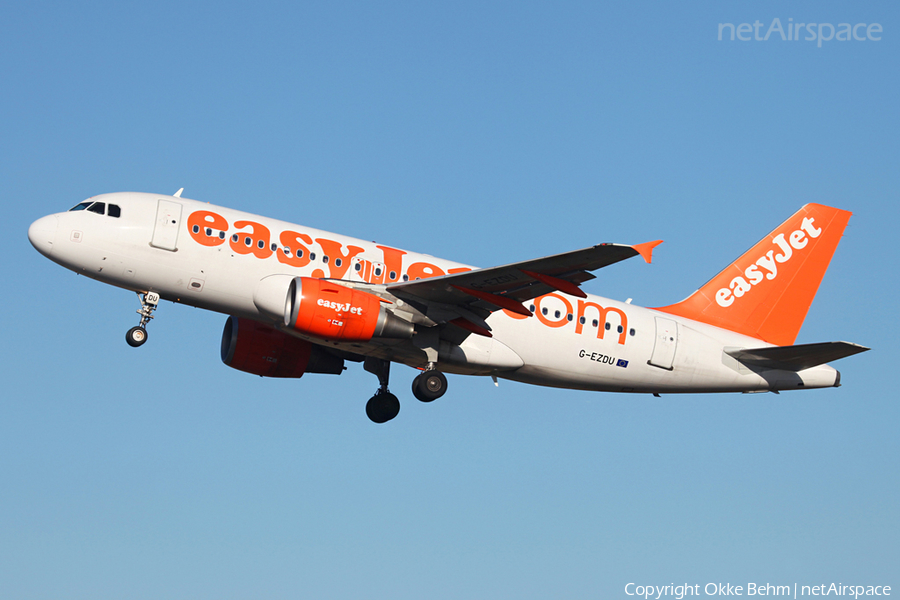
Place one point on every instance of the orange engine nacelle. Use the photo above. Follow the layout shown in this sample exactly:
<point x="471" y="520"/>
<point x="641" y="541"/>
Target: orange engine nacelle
<point x="262" y="350"/>
<point x="330" y="311"/>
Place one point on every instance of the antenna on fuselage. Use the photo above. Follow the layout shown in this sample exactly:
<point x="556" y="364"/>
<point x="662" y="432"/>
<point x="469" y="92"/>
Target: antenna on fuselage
<point x="178" y="193"/>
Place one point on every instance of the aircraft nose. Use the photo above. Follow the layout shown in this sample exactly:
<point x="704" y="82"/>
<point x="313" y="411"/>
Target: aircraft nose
<point x="42" y="234"/>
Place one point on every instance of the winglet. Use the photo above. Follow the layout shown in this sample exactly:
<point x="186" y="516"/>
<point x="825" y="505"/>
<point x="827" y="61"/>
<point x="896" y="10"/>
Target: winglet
<point x="646" y="249"/>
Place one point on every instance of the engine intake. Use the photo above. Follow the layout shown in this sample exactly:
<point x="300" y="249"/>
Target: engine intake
<point x="334" y="312"/>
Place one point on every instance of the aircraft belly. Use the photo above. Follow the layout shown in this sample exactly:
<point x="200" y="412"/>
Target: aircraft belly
<point x="560" y="357"/>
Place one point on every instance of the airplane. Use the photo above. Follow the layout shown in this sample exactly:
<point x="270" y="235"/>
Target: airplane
<point x="301" y="300"/>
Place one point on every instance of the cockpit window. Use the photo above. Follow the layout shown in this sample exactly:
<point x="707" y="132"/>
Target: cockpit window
<point x="99" y="208"/>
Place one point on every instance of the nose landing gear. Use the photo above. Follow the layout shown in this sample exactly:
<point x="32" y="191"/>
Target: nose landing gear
<point x="136" y="336"/>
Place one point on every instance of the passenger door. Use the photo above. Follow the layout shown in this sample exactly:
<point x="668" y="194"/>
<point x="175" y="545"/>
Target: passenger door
<point x="665" y="343"/>
<point x="168" y="221"/>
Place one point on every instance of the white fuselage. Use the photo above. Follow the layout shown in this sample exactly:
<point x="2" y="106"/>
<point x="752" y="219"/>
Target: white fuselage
<point x="215" y="258"/>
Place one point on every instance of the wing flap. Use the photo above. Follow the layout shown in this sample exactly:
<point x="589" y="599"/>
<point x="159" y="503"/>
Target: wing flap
<point x="795" y="358"/>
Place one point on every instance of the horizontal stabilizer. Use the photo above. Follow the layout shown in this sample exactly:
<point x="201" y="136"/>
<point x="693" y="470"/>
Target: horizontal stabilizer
<point x="795" y="358"/>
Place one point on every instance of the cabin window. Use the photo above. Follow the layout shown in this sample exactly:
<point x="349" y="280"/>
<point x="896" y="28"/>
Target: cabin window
<point x="208" y="232"/>
<point x="608" y="326"/>
<point x="631" y="332"/>
<point x="114" y="211"/>
<point x="261" y="244"/>
<point x="531" y="308"/>
<point x="248" y="242"/>
<point x="377" y="271"/>
<point x="221" y="235"/>
<point x="392" y="275"/>
<point x="620" y="329"/>
<point x="357" y="267"/>
<point x="97" y="207"/>
<point x="569" y="317"/>
<point x="544" y="311"/>
<point x="325" y="260"/>
<point x="556" y="314"/>
<point x="405" y="277"/>
<point x="338" y="262"/>
<point x="274" y="246"/>
<point x="235" y="238"/>
<point x="312" y="256"/>
<point x="195" y="229"/>
<point x="595" y="322"/>
<point x="581" y="320"/>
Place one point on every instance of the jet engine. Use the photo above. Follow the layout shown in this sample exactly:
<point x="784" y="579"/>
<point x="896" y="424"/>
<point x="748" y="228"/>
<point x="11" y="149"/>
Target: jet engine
<point x="256" y="348"/>
<point x="335" y="312"/>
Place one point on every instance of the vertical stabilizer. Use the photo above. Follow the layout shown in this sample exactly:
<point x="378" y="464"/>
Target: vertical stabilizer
<point x="766" y="292"/>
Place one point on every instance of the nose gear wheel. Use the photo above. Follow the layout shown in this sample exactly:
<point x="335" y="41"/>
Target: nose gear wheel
<point x="136" y="336"/>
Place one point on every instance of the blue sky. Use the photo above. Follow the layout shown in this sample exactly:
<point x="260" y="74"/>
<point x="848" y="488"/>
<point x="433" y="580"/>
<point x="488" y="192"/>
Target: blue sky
<point x="480" y="132"/>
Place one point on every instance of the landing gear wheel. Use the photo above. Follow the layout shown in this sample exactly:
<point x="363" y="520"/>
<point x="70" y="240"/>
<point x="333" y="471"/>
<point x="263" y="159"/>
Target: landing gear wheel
<point x="136" y="336"/>
<point x="429" y="386"/>
<point x="382" y="407"/>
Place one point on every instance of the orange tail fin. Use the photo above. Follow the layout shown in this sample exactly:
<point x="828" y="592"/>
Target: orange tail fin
<point x="766" y="292"/>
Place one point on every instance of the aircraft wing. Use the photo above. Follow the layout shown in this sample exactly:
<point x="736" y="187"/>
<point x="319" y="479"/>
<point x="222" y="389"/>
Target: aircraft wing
<point x="482" y="291"/>
<point x="796" y="358"/>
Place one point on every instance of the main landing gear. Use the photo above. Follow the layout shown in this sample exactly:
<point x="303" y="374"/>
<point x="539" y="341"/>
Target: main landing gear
<point x="384" y="406"/>
<point x="429" y="385"/>
<point x="136" y="336"/>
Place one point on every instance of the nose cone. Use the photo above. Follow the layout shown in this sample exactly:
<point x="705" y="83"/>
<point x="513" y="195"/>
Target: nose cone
<point x="42" y="234"/>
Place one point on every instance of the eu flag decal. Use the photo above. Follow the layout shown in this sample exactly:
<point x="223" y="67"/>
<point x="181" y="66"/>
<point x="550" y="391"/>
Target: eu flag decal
<point x="621" y="363"/>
